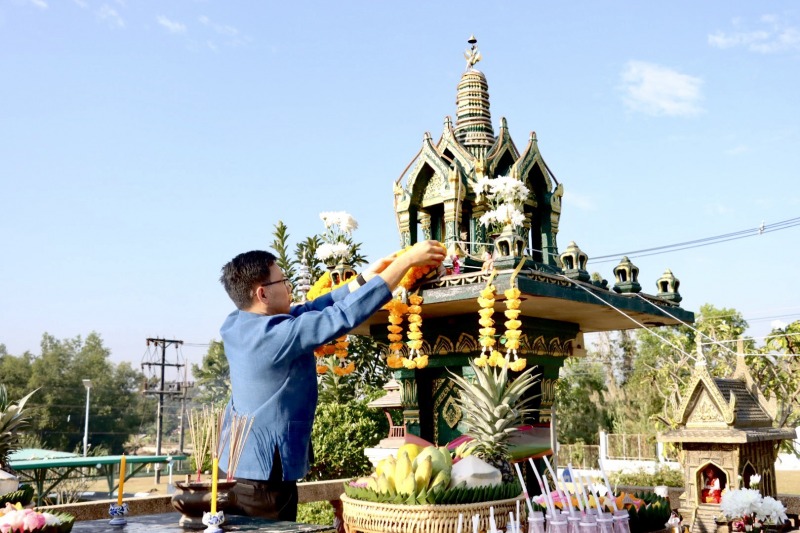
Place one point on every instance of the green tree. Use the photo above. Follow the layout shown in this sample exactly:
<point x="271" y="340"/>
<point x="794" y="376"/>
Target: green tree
<point x="579" y="407"/>
<point x="778" y="371"/>
<point x="667" y="356"/>
<point x="213" y="376"/>
<point x="59" y="408"/>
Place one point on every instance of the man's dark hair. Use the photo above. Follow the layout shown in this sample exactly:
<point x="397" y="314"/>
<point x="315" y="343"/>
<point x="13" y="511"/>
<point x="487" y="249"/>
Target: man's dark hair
<point x="243" y="273"/>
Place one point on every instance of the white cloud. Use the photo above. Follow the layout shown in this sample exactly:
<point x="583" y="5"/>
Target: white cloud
<point x="41" y="4"/>
<point x="228" y="35"/>
<point x="739" y="149"/>
<point x="774" y="36"/>
<point x="578" y="201"/>
<point x="778" y="324"/>
<point x="110" y="15"/>
<point x="82" y="3"/>
<point x="656" y="90"/>
<point x="171" y="26"/>
<point x="718" y="209"/>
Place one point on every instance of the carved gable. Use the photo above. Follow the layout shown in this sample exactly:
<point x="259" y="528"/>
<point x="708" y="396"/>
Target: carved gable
<point x="705" y="412"/>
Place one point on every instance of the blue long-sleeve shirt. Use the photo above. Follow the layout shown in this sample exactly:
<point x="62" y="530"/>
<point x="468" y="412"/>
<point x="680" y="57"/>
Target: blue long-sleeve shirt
<point x="273" y="374"/>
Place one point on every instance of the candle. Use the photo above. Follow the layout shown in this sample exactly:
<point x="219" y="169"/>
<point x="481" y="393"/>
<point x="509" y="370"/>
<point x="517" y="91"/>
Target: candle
<point x="121" y="480"/>
<point x="214" y="477"/>
<point x="475" y="522"/>
<point x="460" y="522"/>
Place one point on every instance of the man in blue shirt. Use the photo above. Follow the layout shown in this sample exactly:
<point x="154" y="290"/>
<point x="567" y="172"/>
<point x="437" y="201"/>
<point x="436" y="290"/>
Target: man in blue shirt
<point x="269" y="345"/>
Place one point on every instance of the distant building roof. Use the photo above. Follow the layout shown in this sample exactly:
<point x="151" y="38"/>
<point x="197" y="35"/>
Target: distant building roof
<point x="36" y="454"/>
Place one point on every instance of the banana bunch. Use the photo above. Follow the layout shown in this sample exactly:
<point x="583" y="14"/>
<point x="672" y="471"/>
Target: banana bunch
<point x="413" y="482"/>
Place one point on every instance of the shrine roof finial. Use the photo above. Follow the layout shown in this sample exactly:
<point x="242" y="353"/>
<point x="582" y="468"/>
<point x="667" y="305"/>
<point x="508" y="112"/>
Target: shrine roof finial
<point x="472" y="55"/>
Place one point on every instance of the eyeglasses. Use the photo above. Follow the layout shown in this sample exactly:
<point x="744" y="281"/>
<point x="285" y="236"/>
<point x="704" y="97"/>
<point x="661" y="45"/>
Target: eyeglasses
<point x="285" y="281"/>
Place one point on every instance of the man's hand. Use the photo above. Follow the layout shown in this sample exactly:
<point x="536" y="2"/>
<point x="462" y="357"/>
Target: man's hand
<point x="425" y="253"/>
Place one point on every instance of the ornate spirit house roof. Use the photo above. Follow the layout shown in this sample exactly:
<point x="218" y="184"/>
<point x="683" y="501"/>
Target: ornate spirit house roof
<point x="724" y="410"/>
<point x="435" y="198"/>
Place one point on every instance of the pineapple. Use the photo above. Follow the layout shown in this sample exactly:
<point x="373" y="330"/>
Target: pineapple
<point x="13" y="419"/>
<point x="492" y="407"/>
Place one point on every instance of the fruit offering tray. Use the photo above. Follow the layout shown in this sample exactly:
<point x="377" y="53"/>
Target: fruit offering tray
<point x="373" y="517"/>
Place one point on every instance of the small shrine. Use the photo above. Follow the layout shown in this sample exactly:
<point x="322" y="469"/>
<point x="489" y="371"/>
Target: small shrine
<point x="439" y="196"/>
<point x="725" y="430"/>
<point x="387" y="403"/>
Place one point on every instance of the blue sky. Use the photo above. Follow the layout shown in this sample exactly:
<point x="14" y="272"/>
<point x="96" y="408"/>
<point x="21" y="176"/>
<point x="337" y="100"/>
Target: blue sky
<point x="145" y="143"/>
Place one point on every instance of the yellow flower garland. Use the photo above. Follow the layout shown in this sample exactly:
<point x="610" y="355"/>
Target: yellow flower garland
<point x="338" y="347"/>
<point x="415" y="358"/>
<point x="396" y="311"/>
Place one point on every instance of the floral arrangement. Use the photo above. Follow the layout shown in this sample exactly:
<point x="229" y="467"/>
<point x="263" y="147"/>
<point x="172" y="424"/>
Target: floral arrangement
<point x="397" y="308"/>
<point x="506" y="195"/>
<point x="16" y="519"/>
<point x="748" y="509"/>
<point x="337" y="240"/>
<point x="487" y="331"/>
<point x="415" y="358"/>
<point x="339" y="346"/>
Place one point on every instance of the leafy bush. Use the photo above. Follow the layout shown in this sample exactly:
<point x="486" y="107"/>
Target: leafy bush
<point x="341" y="432"/>
<point x="662" y="476"/>
<point x="315" y="513"/>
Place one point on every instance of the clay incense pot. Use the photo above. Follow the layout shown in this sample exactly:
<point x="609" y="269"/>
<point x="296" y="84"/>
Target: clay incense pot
<point x="193" y="498"/>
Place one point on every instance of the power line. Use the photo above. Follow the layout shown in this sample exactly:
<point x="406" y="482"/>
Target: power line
<point x="706" y="241"/>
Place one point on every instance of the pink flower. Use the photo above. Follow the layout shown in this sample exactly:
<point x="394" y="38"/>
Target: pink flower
<point x="33" y="520"/>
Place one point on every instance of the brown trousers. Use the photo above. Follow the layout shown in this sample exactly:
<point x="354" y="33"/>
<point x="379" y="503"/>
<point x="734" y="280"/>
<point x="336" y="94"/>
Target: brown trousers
<point x="273" y="498"/>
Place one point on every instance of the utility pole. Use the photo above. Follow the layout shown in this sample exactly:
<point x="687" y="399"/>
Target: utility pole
<point x="162" y="391"/>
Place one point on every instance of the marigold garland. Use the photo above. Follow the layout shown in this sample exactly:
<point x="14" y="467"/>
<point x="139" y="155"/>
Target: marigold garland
<point x="396" y="310"/>
<point x="337" y="347"/>
<point x="414" y="274"/>
<point x="487" y="330"/>
<point x="513" y="333"/>
<point x="415" y="358"/>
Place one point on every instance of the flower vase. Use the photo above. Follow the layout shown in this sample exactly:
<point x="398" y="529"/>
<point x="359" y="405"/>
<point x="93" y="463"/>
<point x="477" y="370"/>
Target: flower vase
<point x="341" y="271"/>
<point x="508" y="244"/>
<point x="193" y="498"/>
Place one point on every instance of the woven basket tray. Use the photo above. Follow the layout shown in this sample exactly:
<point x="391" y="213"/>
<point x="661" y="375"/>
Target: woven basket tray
<point x="372" y="517"/>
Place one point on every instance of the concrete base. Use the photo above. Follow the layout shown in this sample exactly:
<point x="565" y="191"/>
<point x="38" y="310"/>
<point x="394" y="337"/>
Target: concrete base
<point x="8" y="482"/>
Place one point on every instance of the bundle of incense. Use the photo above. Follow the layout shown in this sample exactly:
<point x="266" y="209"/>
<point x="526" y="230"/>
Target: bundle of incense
<point x="524" y="490"/>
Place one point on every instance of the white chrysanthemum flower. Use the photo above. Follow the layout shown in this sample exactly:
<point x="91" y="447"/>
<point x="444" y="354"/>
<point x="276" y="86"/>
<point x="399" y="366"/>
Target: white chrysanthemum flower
<point x="739" y="503"/>
<point x="755" y="479"/>
<point x="324" y="251"/>
<point x="482" y="186"/>
<point x="771" y="511"/>
<point x="341" y="249"/>
<point x="508" y="189"/>
<point x="346" y="222"/>
<point x="509" y="214"/>
<point x="488" y="218"/>
<point x="327" y="218"/>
